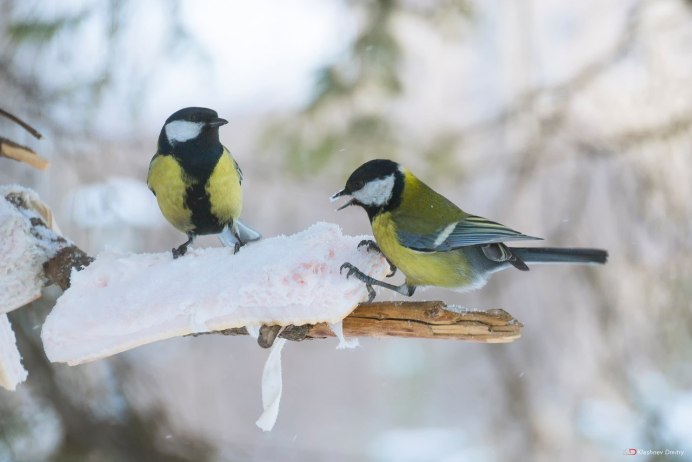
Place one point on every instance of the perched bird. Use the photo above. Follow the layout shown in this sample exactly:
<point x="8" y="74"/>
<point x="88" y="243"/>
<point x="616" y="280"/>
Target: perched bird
<point x="431" y="240"/>
<point x="196" y="181"/>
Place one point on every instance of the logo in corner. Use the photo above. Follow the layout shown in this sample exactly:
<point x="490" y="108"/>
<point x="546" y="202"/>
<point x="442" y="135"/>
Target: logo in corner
<point x="630" y="452"/>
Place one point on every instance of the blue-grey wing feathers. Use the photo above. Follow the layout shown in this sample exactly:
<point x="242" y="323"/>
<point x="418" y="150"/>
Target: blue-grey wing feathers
<point x="472" y="230"/>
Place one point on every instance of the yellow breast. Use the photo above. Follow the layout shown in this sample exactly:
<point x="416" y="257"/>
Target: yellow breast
<point x="166" y="179"/>
<point x="443" y="269"/>
<point x="224" y="189"/>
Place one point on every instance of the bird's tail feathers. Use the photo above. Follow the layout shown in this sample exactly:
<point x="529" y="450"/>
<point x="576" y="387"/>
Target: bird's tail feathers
<point x="246" y="234"/>
<point x="560" y="255"/>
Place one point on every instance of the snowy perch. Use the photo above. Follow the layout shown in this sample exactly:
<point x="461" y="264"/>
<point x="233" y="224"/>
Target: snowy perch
<point x="121" y="301"/>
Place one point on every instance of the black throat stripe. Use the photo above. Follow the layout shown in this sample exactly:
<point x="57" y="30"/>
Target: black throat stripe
<point x="198" y="163"/>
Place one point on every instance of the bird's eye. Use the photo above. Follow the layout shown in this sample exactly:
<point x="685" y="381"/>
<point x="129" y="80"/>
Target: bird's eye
<point x="358" y="185"/>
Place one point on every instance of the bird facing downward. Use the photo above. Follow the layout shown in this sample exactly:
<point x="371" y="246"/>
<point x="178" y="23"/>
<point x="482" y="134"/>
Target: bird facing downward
<point x="196" y="181"/>
<point x="431" y="240"/>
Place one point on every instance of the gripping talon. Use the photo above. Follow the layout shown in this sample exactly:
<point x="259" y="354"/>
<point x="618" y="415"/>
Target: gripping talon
<point x="392" y="269"/>
<point x="370" y="245"/>
<point x="350" y="269"/>
<point x="371" y="293"/>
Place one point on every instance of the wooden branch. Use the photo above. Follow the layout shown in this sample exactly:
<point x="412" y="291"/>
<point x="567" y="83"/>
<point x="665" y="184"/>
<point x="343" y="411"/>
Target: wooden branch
<point x="20" y="153"/>
<point x="425" y="319"/>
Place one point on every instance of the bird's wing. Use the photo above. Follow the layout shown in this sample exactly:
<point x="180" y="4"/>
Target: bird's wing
<point x="240" y="172"/>
<point x="470" y="230"/>
<point x="151" y="163"/>
<point x="235" y="164"/>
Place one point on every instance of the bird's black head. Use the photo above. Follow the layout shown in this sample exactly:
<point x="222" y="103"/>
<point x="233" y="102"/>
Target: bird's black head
<point x="197" y="125"/>
<point x="376" y="186"/>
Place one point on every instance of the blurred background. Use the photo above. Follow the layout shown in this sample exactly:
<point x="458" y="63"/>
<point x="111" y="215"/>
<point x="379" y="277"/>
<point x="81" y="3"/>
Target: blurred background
<point x="566" y="120"/>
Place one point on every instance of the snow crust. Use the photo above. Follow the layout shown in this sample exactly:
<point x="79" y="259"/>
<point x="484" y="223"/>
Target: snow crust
<point x="122" y="301"/>
<point x="23" y="249"/>
<point x="12" y="372"/>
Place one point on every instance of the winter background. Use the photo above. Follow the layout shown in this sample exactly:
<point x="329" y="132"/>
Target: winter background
<point x="567" y="120"/>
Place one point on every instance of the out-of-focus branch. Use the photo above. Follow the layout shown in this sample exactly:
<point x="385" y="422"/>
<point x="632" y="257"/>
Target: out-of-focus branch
<point x="16" y="151"/>
<point x="20" y="153"/>
<point x="21" y="123"/>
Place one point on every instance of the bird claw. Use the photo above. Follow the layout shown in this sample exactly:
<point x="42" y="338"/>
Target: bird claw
<point x="353" y="271"/>
<point x="370" y="245"/>
<point x="179" y="251"/>
<point x="392" y="270"/>
<point x="371" y="293"/>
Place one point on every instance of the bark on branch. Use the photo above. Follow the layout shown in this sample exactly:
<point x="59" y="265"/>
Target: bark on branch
<point x="417" y="319"/>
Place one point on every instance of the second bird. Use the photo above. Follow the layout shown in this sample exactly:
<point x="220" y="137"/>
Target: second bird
<point x="431" y="240"/>
<point x="196" y="181"/>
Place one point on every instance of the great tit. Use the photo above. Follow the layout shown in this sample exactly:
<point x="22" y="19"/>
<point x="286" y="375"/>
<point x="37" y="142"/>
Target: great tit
<point x="196" y="181"/>
<point x="431" y="240"/>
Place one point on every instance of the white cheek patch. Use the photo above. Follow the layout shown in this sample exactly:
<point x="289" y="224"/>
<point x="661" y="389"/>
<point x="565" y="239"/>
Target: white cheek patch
<point x="180" y="131"/>
<point x="376" y="192"/>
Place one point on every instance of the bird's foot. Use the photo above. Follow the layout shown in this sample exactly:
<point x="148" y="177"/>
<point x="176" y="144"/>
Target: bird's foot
<point x="371" y="246"/>
<point x="182" y="248"/>
<point x="403" y="289"/>
<point x="358" y="274"/>
<point x="179" y="251"/>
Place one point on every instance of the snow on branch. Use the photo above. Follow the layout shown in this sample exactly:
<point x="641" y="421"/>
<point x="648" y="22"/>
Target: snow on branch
<point x="121" y="301"/>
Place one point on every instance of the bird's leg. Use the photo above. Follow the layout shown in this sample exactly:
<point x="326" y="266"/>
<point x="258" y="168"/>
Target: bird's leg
<point x="403" y="289"/>
<point x="238" y="244"/>
<point x="371" y="245"/>
<point x="182" y="248"/>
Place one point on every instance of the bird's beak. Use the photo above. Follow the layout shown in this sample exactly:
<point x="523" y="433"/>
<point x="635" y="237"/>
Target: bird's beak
<point x="343" y="192"/>
<point x="215" y="123"/>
